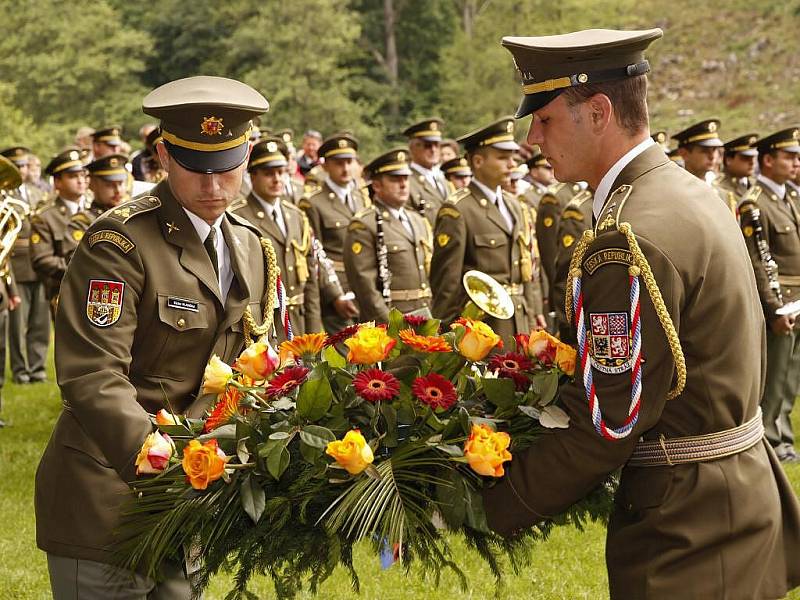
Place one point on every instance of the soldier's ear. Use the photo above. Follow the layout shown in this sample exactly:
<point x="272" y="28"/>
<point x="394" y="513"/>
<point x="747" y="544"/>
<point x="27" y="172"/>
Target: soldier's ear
<point x="163" y="156"/>
<point x="601" y="112"/>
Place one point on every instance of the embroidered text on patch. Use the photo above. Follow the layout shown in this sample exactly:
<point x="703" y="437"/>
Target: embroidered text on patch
<point x="609" y="342"/>
<point x="112" y="237"/>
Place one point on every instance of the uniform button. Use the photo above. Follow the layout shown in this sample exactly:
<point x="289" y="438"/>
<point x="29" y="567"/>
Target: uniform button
<point x="260" y="214"/>
<point x="424" y="286"/>
<point x="519" y="306"/>
<point x="394" y="247"/>
<point x="338" y="224"/>
<point x="516" y="262"/>
<point x="291" y="288"/>
<point x="491" y="242"/>
<point x="788" y="228"/>
<point x="290" y="268"/>
<point x="421" y="267"/>
<point x="181" y="323"/>
<point x="629" y="506"/>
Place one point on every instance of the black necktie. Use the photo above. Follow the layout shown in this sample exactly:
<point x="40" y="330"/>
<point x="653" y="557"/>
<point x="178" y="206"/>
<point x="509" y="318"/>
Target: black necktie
<point x="211" y="247"/>
<point x="277" y="220"/>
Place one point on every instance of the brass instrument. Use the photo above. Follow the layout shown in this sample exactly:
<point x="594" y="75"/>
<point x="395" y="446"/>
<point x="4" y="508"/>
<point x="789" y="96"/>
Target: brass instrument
<point x="487" y="297"/>
<point x="12" y="211"/>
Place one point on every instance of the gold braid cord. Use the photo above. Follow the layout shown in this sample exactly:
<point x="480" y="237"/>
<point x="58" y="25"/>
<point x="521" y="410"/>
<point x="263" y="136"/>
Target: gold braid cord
<point x="641" y="267"/>
<point x="251" y="328"/>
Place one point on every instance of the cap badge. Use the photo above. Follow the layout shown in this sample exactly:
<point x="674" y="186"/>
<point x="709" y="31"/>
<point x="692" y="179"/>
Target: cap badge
<point x="287" y="138"/>
<point x="401" y="156"/>
<point x="113" y="162"/>
<point x="272" y="147"/>
<point x="510" y="127"/>
<point x="712" y="127"/>
<point x="583" y="78"/>
<point x="796" y="134"/>
<point x="462" y="162"/>
<point x="342" y="143"/>
<point x="752" y="140"/>
<point x="74" y="155"/>
<point x="434" y="126"/>
<point x="115" y="132"/>
<point x="211" y="126"/>
<point x="661" y="137"/>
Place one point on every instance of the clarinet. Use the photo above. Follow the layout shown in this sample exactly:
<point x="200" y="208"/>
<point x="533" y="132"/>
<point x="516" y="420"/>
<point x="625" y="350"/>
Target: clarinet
<point x="770" y="266"/>
<point x="324" y="261"/>
<point x="384" y="274"/>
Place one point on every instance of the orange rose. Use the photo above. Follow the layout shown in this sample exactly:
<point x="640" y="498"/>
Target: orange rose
<point x="203" y="463"/>
<point x="155" y="454"/>
<point x="216" y="376"/>
<point x="369" y="345"/>
<point x="258" y="361"/>
<point x="543" y="347"/>
<point x="565" y="358"/>
<point x="479" y="339"/>
<point x="486" y="450"/>
<point x="353" y="452"/>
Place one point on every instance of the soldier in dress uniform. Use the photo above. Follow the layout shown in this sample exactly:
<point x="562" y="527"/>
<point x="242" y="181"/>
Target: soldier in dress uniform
<point x="29" y="323"/>
<point x="49" y="226"/>
<point x="697" y="146"/>
<point x="106" y="141"/>
<point x="157" y="285"/>
<point x="107" y="179"/>
<point x="540" y="176"/>
<point x="770" y="218"/>
<point x="329" y="210"/>
<point x="294" y="189"/>
<point x="457" y="173"/>
<point x="287" y="227"/>
<point x="388" y="247"/>
<point x="481" y="227"/>
<point x="703" y="508"/>
<point x="738" y="166"/>
<point x="428" y="186"/>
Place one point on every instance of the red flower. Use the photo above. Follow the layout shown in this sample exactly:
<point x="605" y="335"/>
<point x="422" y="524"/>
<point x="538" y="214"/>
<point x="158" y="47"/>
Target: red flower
<point x="434" y="391"/>
<point x="341" y="336"/>
<point x="224" y="409"/>
<point x="512" y="366"/>
<point x="285" y="382"/>
<point x="521" y="340"/>
<point x="376" y="385"/>
<point x="415" y="320"/>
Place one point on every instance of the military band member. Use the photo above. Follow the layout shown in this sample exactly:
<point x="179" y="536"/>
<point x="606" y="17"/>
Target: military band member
<point x="388" y="247"/>
<point x="107" y="179"/>
<point x="329" y="211"/>
<point x="106" y="141"/>
<point x="29" y="323"/>
<point x="457" y="173"/>
<point x="156" y="287"/>
<point x="540" y="176"/>
<point x="49" y="226"/>
<point x="428" y="186"/>
<point x="294" y="189"/>
<point x="703" y="508"/>
<point x="698" y="146"/>
<point x="9" y="303"/>
<point x="287" y="227"/>
<point x="773" y="239"/>
<point x="738" y="166"/>
<point x="481" y="227"/>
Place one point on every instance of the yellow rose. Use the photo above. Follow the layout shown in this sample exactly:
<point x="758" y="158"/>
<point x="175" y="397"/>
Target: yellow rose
<point x="165" y="418"/>
<point x="479" y="339"/>
<point x="543" y="347"/>
<point x="486" y="450"/>
<point x="353" y="452"/>
<point x="155" y="454"/>
<point x="216" y="376"/>
<point x="369" y="345"/>
<point x="203" y="463"/>
<point x="565" y="358"/>
<point x="258" y="361"/>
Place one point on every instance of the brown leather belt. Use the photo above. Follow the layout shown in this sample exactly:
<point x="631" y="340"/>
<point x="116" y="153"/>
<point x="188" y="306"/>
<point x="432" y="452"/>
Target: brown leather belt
<point x="403" y="295"/>
<point x="514" y="289"/>
<point x="698" y="448"/>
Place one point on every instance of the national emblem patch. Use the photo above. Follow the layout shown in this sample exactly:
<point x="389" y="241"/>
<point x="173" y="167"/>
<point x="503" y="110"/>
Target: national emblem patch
<point x="104" y="302"/>
<point x="610" y="342"/>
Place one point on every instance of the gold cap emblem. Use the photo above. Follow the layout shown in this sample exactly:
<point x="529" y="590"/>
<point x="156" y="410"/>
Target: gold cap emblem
<point x="74" y="155"/>
<point x="211" y="126"/>
<point x="342" y="143"/>
<point x="712" y="127"/>
<point x="287" y="137"/>
<point x="272" y="147"/>
<point x="661" y="137"/>
<point x="583" y="78"/>
<point x="401" y="156"/>
<point x="752" y="140"/>
<point x="113" y="162"/>
<point x="462" y="162"/>
<point x="796" y="134"/>
<point x="434" y="126"/>
<point x="510" y="127"/>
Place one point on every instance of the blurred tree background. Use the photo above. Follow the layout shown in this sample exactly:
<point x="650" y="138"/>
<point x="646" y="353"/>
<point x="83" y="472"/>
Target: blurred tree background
<point x="374" y="66"/>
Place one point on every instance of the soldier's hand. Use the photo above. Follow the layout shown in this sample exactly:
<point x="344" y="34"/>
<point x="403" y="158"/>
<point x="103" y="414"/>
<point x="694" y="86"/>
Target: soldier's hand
<point x="346" y="308"/>
<point x="14" y="302"/>
<point x="541" y="322"/>
<point x="783" y="325"/>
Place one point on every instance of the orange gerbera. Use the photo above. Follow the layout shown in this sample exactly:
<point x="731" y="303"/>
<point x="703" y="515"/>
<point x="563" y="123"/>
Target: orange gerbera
<point x="424" y="343"/>
<point x="224" y="409"/>
<point x="304" y="346"/>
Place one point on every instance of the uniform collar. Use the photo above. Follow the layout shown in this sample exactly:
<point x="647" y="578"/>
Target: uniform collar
<point x="490" y="194"/>
<point x="341" y="192"/>
<point x="604" y="187"/>
<point x="201" y="227"/>
<point x="270" y="207"/>
<point x="779" y="190"/>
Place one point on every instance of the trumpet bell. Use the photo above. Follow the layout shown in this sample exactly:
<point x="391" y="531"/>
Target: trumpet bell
<point x="488" y="295"/>
<point x="10" y="177"/>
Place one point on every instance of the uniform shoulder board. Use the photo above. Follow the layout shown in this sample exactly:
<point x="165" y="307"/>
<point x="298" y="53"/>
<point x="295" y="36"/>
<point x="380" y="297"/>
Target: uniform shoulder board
<point x="448" y="211"/>
<point x="238" y="203"/>
<point x="81" y="217"/>
<point x="289" y="206"/>
<point x="752" y="195"/>
<point x="549" y="198"/>
<point x="138" y="206"/>
<point x="458" y="196"/>
<point x="572" y="213"/>
<point x="554" y="188"/>
<point x="304" y="203"/>
<point x="364" y="212"/>
<point x="578" y="199"/>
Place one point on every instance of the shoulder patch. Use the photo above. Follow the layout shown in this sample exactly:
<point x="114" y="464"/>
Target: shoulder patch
<point x="447" y="211"/>
<point x="356" y="226"/>
<point x="607" y="256"/>
<point x="571" y="213"/>
<point x="549" y="198"/>
<point x="81" y="217"/>
<point x="127" y="210"/>
<point x="114" y="238"/>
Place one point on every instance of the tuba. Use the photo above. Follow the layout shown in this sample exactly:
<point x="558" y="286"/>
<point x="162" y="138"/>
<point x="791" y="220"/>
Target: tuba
<point x="12" y="211"/>
<point x="486" y="297"/>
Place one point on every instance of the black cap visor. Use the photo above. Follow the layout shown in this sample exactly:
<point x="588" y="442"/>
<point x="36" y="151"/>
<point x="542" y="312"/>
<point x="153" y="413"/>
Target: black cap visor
<point x="208" y="162"/>
<point x="533" y="102"/>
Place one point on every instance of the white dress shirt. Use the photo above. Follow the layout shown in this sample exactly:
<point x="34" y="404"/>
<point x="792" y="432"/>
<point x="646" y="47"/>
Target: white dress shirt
<point x="73" y="206"/>
<point x="604" y="187"/>
<point x="779" y="190"/>
<point x="223" y="255"/>
<point x="274" y="211"/>
<point x="434" y="177"/>
<point x="400" y="215"/>
<point x="343" y="193"/>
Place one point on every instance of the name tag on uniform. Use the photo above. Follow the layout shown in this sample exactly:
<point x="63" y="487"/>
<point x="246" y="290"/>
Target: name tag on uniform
<point x="183" y="304"/>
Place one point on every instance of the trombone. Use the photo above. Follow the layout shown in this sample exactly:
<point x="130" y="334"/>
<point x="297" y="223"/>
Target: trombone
<point x="12" y="211"/>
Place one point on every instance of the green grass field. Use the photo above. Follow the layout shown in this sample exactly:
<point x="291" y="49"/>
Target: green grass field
<point x="569" y="566"/>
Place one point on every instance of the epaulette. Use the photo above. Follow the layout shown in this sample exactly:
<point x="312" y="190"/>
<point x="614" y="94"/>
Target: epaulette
<point x="610" y="216"/>
<point x="304" y="203"/>
<point x="364" y="212"/>
<point x="554" y="188"/>
<point x="238" y="203"/>
<point x="237" y="219"/>
<point x="752" y="195"/>
<point x="572" y="213"/>
<point x="458" y="196"/>
<point x="81" y="217"/>
<point x="578" y="199"/>
<point x="289" y="206"/>
<point x="549" y="198"/>
<point x="138" y="206"/>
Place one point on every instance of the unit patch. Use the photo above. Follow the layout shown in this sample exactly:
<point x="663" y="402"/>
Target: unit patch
<point x="609" y="342"/>
<point x="104" y="302"/>
<point x="356" y="247"/>
<point x="548" y="221"/>
<point x="112" y="237"/>
<point x="607" y="256"/>
<point x="443" y="239"/>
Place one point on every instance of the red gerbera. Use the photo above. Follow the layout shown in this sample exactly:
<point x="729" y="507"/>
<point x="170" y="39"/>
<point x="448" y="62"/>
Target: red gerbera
<point x="224" y="409"/>
<point x="512" y="366"/>
<point x="376" y="385"/>
<point x="435" y="391"/>
<point x="341" y="336"/>
<point x="285" y="382"/>
<point x="415" y="320"/>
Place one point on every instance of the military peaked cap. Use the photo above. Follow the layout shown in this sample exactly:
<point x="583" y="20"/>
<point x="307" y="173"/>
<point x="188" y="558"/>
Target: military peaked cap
<point x="704" y="133"/>
<point x="499" y="134"/>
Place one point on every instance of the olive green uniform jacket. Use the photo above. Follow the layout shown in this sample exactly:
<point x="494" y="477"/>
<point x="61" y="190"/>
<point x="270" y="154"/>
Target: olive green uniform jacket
<point x="551" y="205"/>
<point x="408" y="257"/>
<point x="471" y="233"/>
<point x="77" y="226"/>
<point x="296" y="261"/>
<point x="48" y="245"/>
<point x="144" y="350"/>
<point x="724" y="529"/>
<point x="21" y="255"/>
<point x="424" y="197"/>
<point x="731" y="191"/>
